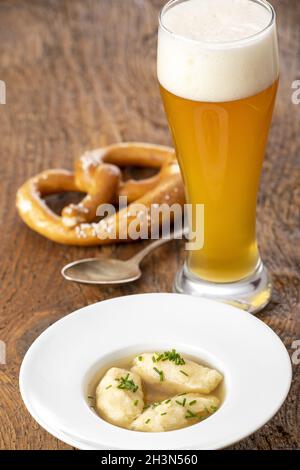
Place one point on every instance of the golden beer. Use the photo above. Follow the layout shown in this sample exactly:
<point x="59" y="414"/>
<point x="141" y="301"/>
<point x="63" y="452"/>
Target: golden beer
<point x="220" y="148"/>
<point x="218" y="70"/>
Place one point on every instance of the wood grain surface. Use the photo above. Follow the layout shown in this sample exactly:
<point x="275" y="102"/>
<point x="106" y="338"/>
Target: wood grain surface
<point x="81" y="74"/>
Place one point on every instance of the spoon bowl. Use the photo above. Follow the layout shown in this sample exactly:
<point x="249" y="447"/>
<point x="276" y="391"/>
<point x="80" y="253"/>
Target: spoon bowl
<point x="102" y="271"/>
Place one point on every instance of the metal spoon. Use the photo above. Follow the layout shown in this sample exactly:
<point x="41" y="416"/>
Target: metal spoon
<point x="112" y="271"/>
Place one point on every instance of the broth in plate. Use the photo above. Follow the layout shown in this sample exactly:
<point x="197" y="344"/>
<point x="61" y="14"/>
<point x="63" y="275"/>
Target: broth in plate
<point x="156" y="392"/>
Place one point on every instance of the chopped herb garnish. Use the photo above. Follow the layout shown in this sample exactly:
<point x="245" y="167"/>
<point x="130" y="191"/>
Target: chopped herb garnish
<point x="159" y="357"/>
<point x="90" y="398"/>
<point x="163" y="414"/>
<point x="140" y="358"/>
<point x="127" y="384"/>
<point x="184" y="402"/>
<point x="214" y="408"/>
<point x="146" y="407"/>
<point x="192" y="402"/>
<point x="172" y="356"/>
<point x="190" y="415"/>
<point x="180" y="403"/>
<point x="148" y="421"/>
<point x="108" y="386"/>
<point x="184" y="373"/>
<point x="160" y="373"/>
<point x="181" y="394"/>
<point x="167" y="401"/>
<point x="136" y="403"/>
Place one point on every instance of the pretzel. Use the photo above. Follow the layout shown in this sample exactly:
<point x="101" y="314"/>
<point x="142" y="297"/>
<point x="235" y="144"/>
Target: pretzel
<point x="98" y="174"/>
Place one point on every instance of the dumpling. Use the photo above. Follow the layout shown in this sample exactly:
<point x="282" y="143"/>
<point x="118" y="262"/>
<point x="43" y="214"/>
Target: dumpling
<point x="176" y="413"/>
<point x="119" y="397"/>
<point x="174" y="375"/>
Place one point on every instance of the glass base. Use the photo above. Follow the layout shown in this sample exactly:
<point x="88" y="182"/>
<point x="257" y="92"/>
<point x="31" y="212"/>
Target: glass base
<point x="252" y="293"/>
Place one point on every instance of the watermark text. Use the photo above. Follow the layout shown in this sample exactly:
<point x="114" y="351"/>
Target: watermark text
<point x="2" y="353"/>
<point x="2" y="92"/>
<point x="296" y="93"/>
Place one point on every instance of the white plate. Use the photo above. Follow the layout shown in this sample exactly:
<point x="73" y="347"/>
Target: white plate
<point x="60" y="364"/>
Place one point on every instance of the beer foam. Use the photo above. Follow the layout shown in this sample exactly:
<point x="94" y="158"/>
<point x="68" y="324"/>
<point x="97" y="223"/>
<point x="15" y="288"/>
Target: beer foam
<point x="217" y="50"/>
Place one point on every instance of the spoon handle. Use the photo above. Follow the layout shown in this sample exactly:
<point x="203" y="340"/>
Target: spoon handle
<point x="177" y="234"/>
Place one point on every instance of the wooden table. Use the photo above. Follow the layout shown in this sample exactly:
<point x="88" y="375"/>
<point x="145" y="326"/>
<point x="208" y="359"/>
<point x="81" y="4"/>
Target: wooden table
<point x="81" y="74"/>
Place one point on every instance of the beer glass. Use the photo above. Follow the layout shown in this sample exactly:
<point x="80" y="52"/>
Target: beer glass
<point x="218" y="72"/>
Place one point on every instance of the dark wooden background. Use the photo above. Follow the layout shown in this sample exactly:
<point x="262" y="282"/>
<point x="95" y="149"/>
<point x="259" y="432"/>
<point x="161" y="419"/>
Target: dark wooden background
<point x="81" y="74"/>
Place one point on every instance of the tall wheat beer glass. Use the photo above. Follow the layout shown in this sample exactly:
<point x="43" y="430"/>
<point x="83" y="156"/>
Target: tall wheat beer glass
<point x="218" y="72"/>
